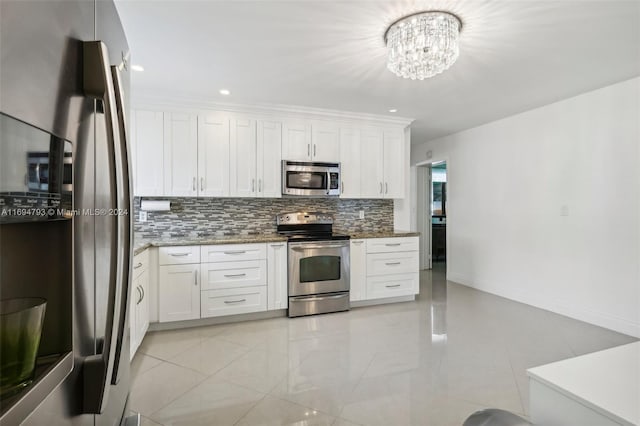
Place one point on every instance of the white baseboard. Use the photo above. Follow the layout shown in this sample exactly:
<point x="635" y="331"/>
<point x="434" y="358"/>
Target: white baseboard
<point x="558" y="306"/>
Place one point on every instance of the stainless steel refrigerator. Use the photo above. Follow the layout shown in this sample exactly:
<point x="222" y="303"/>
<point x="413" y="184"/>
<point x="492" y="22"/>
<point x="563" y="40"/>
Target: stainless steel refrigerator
<point x="65" y="227"/>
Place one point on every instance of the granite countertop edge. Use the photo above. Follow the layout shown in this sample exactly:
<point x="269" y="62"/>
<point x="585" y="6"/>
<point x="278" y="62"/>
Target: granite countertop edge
<point x="141" y="244"/>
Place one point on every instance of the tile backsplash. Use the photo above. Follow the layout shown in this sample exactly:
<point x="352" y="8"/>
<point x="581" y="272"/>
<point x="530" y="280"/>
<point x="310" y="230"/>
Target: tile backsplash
<point x="201" y="217"/>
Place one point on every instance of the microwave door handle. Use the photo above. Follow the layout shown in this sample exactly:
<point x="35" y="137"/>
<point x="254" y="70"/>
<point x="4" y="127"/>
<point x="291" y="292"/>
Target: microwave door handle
<point x="328" y="181"/>
<point x="98" y="368"/>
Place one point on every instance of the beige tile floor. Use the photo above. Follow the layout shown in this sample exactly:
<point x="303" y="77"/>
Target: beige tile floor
<point x="430" y="362"/>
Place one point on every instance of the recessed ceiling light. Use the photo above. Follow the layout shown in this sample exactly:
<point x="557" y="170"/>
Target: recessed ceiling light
<point x="137" y="67"/>
<point x="393" y="110"/>
<point x="225" y="92"/>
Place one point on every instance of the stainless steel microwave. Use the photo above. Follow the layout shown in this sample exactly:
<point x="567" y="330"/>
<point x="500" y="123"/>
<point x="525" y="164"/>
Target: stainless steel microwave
<point x="307" y="179"/>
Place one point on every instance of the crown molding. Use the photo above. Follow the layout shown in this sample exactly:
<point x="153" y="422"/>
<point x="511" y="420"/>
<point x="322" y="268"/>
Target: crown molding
<point x="150" y="101"/>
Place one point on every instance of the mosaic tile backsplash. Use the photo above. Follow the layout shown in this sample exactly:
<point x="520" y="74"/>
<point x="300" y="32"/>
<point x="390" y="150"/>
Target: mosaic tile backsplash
<point x="201" y="217"/>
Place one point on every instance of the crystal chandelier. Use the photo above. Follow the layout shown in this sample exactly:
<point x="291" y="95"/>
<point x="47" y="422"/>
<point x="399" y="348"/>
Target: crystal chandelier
<point x="423" y="44"/>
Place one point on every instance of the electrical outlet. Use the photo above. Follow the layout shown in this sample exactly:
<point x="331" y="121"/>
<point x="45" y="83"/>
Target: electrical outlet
<point x="143" y="216"/>
<point x="361" y="214"/>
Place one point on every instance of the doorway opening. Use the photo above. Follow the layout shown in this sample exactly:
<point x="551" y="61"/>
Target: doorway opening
<point x="432" y="214"/>
<point x="439" y="215"/>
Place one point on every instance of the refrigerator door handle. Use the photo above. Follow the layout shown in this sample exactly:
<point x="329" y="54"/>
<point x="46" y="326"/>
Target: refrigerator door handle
<point x="98" y="369"/>
<point x="125" y="225"/>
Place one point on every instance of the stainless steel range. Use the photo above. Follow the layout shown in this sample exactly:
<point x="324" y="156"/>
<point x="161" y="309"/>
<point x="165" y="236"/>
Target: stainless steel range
<point x="318" y="263"/>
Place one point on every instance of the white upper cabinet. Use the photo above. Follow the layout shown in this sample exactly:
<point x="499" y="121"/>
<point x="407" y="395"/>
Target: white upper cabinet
<point x="317" y="141"/>
<point x="243" y="158"/>
<point x="371" y="163"/>
<point x="296" y="141"/>
<point x="180" y="154"/>
<point x="382" y="163"/>
<point x="235" y="154"/>
<point x="325" y="142"/>
<point x="269" y="156"/>
<point x="147" y="137"/>
<point x="213" y="155"/>
<point x="350" y="162"/>
<point x="394" y="163"/>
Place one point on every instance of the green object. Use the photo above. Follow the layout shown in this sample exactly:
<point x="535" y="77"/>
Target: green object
<point x="21" y="322"/>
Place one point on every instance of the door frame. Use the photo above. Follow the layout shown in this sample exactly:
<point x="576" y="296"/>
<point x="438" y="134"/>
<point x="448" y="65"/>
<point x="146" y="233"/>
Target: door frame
<point x="424" y="212"/>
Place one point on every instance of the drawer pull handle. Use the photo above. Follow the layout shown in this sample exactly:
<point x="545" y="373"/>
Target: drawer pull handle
<point x="234" y="275"/>
<point x="392" y="263"/>
<point x="392" y="286"/>
<point x="228" y="302"/>
<point x="179" y="254"/>
<point x="138" y="265"/>
<point x="393" y="244"/>
<point x="235" y="252"/>
<point x="358" y="242"/>
<point x="277" y="245"/>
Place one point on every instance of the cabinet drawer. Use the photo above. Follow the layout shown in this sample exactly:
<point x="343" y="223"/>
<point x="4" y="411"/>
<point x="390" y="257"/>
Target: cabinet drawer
<point x="392" y="285"/>
<point x="178" y="255"/>
<point x="392" y="263"/>
<point x="233" y="301"/>
<point x="139" y="264"/>
<point x="390" y="245"/>
<point x="233" y="274"/>
<point x="233" y="252"/>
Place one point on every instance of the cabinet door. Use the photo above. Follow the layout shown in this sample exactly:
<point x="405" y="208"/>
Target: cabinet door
<point x="350" y="163"/>
<point x="180" y="154"/>
<point x="277" y="276"/>
<point x="358" y="270"/>
<point x="296" y="141"/>
<point x="147" y="137"/>
<point x="213" y="155"/>
<point x="179" y="293"/>
<point x="394" y="165"/>
<point x="371" y="163"/>
<point x="243" y="158"/>
<point x="325" y="143"/>
<point x="269" y="156"/>
<point x="142" y="308"/>
<point x="134" y="296"/>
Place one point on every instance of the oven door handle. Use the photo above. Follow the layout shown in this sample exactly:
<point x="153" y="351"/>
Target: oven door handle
<point x="315" y="299"/>
<point x="318" y="246"/>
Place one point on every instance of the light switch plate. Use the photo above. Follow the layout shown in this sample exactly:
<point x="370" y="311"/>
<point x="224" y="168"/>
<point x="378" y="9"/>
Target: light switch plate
<point x="361" y="214"/>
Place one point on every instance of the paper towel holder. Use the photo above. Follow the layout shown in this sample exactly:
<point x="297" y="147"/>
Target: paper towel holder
<point x="155" y="205"/>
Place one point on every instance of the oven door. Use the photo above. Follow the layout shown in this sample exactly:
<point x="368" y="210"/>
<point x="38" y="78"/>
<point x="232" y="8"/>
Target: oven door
<point x="318" y="267"/>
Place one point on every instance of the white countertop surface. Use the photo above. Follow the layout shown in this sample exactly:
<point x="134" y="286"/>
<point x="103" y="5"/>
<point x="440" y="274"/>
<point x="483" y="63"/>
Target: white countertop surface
<point x="608" y="381"/>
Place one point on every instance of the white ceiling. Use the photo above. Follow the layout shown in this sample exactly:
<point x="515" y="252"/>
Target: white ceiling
<point x="514" y="55"/>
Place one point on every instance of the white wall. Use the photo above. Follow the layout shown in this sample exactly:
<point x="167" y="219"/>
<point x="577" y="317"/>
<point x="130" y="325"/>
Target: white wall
<point x="509" y="182"/>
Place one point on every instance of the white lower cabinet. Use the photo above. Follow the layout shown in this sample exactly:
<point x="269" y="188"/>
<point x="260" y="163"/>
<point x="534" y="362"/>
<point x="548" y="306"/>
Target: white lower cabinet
<point x="392" y="285"/>
<point x="232" y="301"/>
<point x="139" y="301"/>
<point x="229" y="279"/>
<point x="234" y="279"/>
<point x="179" y="292"/>
<point x="277" y="276"/>
<point x="392" y="267"/>
<point x="358" y="270"/>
